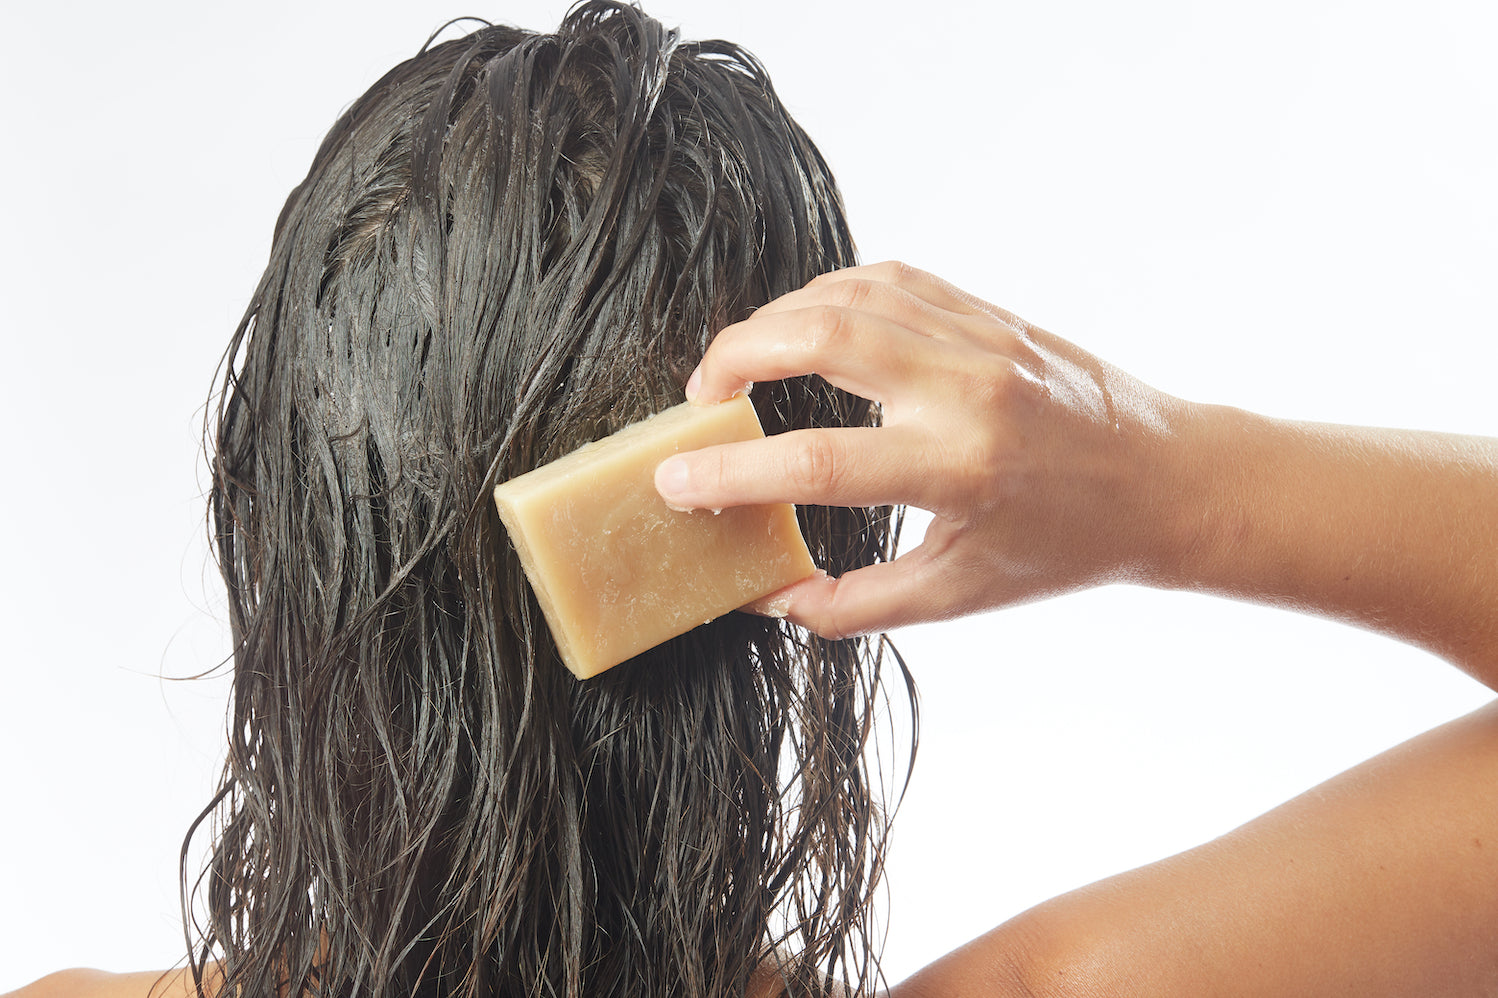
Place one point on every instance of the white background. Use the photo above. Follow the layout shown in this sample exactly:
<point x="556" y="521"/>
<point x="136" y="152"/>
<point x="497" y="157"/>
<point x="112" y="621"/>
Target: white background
<point x="1291" y="207"/>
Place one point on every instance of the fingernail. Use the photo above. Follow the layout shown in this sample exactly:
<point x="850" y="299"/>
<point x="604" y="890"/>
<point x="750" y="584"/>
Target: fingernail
<point x="694" y="383"/>
<point x="777" y="604"/>
<point x="673" y="478"/>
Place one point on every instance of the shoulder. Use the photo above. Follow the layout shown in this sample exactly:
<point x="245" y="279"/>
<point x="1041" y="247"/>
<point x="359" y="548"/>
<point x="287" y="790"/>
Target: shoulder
<point x="80" y="983"/>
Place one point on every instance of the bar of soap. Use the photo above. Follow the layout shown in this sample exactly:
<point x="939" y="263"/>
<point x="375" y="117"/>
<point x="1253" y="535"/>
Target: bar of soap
<point x="615" y="569"/>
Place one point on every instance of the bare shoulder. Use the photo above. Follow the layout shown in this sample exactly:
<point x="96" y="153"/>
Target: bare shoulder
<point x="79" y="983"/>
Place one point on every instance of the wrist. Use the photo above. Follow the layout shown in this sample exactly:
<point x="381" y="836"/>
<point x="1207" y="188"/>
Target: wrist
<point x="1180" y="490"/>
<point x="1205" y="493"/>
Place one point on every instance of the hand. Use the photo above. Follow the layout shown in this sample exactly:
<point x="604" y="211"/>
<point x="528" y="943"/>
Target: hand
<point x="1037" y="459"/>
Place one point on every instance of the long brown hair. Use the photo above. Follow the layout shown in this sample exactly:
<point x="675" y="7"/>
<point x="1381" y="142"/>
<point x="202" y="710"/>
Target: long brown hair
<point x="512" y="244"/>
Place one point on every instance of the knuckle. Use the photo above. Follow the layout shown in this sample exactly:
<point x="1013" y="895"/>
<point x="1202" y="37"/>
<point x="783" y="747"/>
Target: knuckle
<point x="1006" y="339"/>
<point x="1014" y="336"/>
<point x="899" y="273"/>
<point x="825" y="624"/>
<point x="830" y="624"/>
<point x="993" y="383"/>
<point x="813" y="466"/>
<point x="854" y="295"/>
<point x="978" y="467"/>
<point x="715" y="473"/>
<point x="827" y="628"/>
<point x="829" y="330"/>
<point x="965" y="470"/>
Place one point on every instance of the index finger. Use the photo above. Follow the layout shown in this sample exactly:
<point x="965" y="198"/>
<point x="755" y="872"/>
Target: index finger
<point x="846" y="466"/>
<point x="920" y="283"/>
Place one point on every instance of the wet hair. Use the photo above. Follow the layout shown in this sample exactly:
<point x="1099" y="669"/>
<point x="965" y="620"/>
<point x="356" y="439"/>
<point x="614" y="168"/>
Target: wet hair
<point x="515" y="243"/>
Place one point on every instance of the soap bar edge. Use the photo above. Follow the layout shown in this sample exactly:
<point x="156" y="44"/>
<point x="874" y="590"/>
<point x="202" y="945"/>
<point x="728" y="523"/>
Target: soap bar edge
<point x="516" y="504"/>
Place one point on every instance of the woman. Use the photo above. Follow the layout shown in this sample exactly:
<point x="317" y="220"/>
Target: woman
<point x="1237" y="915"/>
<point x="511" y="245"/>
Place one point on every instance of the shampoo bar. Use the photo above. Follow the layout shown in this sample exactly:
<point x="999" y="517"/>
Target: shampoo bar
<point x="615" y="569"/>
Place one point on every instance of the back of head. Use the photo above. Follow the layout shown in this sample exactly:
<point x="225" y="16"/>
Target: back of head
<point x="513" y="244"/>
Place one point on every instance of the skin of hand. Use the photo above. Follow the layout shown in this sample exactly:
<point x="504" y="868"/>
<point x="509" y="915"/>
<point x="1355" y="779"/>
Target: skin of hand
<point x="1039" y="461"/>
<point x="1049" y="470"/>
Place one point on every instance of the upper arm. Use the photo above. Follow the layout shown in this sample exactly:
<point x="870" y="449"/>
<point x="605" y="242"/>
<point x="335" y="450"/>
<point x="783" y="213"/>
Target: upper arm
<point x="1381" y="882"/>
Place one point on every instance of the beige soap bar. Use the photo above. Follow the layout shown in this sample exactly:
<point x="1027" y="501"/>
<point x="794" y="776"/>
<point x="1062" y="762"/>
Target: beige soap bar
<point x="615" y="569"/>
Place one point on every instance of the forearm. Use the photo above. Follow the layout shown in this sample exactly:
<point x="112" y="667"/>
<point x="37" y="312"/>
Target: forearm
<point x="1382" y="882"/>
<point x="1389" y="529"/>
